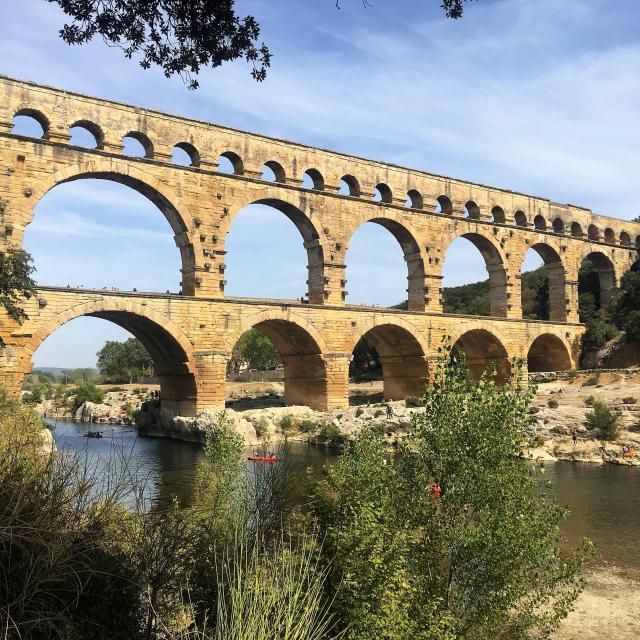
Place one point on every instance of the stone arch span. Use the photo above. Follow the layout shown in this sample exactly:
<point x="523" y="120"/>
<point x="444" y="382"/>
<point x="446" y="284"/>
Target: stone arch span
<point x="482" y="350"/>
<point x="606" y="273"/>
<point x="171" y="206"/>
<point x="495" y="262"/>
<point x="168" y="346"/>
<point x="548" y="353"/>
<point x="556" y="275"/>
<point x="403" y="358"/>
<point x="302" y="351"/>
<point x="406" y="238"/>
<point x="310" y="237"/>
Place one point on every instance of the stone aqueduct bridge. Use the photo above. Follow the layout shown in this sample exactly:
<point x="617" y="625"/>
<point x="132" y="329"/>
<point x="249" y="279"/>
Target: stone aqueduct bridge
<point x="191" y="335"/>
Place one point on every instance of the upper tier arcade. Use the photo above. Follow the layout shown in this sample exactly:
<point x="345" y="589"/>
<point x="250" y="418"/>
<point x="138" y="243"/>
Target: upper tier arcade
<point x="425" y="212"/>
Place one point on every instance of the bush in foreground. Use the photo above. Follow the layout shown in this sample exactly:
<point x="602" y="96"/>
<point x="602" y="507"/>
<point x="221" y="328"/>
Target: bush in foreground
<point x="455" y="540"/>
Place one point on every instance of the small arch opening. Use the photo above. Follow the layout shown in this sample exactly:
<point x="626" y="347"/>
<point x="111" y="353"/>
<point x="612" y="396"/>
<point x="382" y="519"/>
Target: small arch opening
<point x="137" y="145"/>
<point x="230" y="162"/>
<point x="558" y="226"/>
<point x="86" y="134"/>
<point x="30" y="123"/>
<point x="185" y="155"/>
<point x="472" y="210"/>
<point x="609" y="236"/>
<point x="273" y="171"/>
<point x="594" y="233"/>
<point x="413" y="200"/>
<point x="625" y="239"/>
<point x="540" y="223"/>
<point x="382" y="193"/>
<point x="349" y="186"/>
<point x="312" y="179"/>
<point x="576" y="230"/>
<point x="520" y="218"/>
<point x="444" y="205"/>
<point x="497" y="215"/>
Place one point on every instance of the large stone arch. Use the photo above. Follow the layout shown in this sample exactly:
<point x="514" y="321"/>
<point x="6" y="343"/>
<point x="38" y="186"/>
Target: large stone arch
<point x="123" y="172"/>
<point x="402" y="354"/>
<point x="496" y="264"/>
<point x="482" y="350"/>
<point x="406" y="237"/>
<point x="548" y="352"/>
<point x="302" y="351"/>
<point x="271" y="196"/>
<point x="557" y="278"/>
<point x="606" y="272"/>
<point x="168" y="346"/>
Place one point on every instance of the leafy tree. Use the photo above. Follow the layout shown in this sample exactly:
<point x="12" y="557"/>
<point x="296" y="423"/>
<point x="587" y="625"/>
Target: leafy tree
<point x="626" y="311"/>
<point x="256" y="351"/>
<point x="604" y="420"/>
<point x="16" y="283"/>
<point x="179" y="36"/>
<point x="124" y="361"/>
<point x="457" y="539"/>
<point x="87" y="393"/>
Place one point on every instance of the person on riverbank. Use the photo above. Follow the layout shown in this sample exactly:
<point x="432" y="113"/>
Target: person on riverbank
<point x="389" y="411"/>
<point x="574" y="436"/>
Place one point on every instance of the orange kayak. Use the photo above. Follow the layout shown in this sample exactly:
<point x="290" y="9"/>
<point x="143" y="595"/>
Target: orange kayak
<point x="263" y="459"/>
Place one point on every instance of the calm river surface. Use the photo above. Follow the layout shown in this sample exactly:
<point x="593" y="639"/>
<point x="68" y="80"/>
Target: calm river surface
<point x="604" y="499"/>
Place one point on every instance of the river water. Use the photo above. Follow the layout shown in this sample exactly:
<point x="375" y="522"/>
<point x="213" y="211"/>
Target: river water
<point x="604" y="500"/>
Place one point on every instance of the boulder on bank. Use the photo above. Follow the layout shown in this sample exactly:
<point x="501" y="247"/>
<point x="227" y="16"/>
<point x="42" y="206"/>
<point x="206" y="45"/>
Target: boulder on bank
<point x="156" y="422"/>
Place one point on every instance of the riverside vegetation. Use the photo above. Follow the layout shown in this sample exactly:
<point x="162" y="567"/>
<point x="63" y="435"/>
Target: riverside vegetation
<point x="452" y="539"/>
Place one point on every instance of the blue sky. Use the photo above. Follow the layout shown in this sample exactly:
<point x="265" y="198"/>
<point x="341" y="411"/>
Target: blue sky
<point x="535" y="96"/>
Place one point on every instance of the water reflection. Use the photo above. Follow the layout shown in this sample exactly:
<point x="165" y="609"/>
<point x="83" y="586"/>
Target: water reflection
<point x="604" y="499"/>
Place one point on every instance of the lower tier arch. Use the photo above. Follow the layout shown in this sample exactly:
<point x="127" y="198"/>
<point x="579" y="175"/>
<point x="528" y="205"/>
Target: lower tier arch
<point x="483" y="350"/>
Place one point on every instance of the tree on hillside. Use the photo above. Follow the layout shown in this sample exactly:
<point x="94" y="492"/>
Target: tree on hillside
<point x="254" y="351"/>
<point x="16" y="283"/>
<point x="179" y="36"/>
<point x="365" y="363"/>
<point x="124" y="361"/>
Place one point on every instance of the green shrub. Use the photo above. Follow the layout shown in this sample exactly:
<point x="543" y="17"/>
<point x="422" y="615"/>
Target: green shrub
<point x="115" y="389"/>
<point x="87" y="393"/>
<point x="599" y="332"/>
<point x="272" y="393"/>
<point x="286" y="425"/>
<point x="592" y="380"/>
<point x="331" y="435"/>
<point x="552" y="403"/>
<point x="413" y="401"/>
<point x="537" y="440"/>
<point x="629" y="400"/>
<point x="307" y="426"/>
<point x="604" y="420"/>
<point x="533" y="410"/>
<point x="261" y="426"/>
<point x="589" y="400"/>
